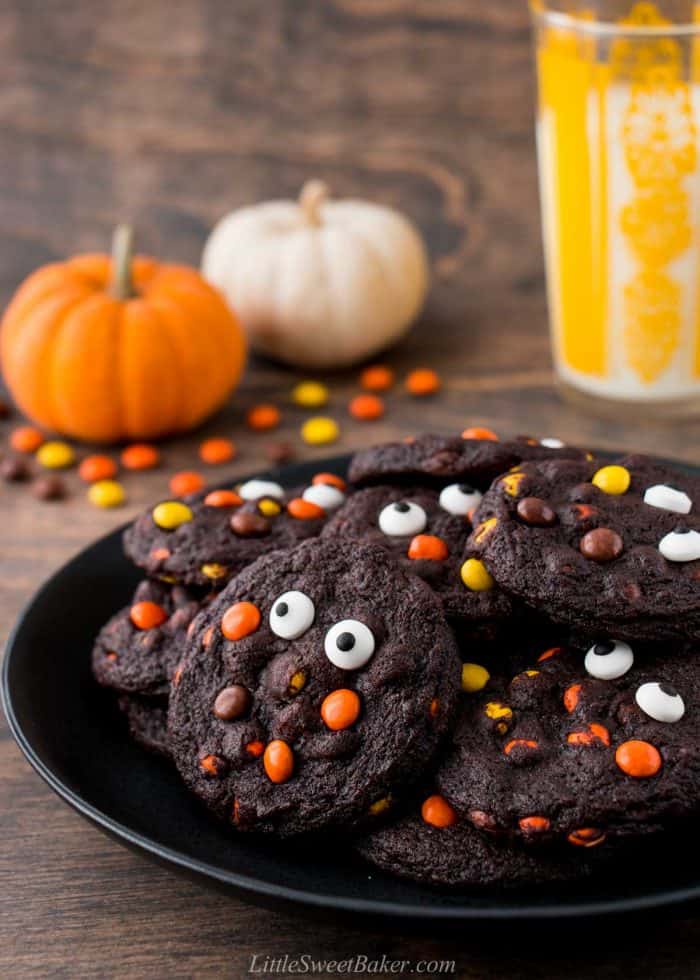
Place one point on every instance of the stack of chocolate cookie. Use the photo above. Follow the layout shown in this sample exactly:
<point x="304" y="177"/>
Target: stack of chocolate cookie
<point x="478" y="660"/>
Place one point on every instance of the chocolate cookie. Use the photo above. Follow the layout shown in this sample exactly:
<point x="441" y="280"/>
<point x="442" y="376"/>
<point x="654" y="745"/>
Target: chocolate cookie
<point x="207" y="539"/>
<point x="319" y="681"/>
<point x="138" y="649"/>
<point x="442" y="459"/>
<point x="426" y="530"/>
<point x="577" y="745"/>
<point x="451" y="852"/>
<point x="617" y="545"/>
<point x="148" y="722"/>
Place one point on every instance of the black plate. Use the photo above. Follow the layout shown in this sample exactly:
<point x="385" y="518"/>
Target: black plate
<point x="71" y="733"/>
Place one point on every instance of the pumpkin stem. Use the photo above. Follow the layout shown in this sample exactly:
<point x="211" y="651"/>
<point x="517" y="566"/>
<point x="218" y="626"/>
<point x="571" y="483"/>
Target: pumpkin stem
<point x="313" y="195"/>
<point x="121" y="286"/>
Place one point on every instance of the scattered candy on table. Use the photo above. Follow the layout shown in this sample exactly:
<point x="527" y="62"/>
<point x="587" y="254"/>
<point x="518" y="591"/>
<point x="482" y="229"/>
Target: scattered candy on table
<point x="217" y="450"/>
<point x="366" y="408"/>
<point x="186" y="482"/>
<point x="14" y="469"/>
<point x="279" y="452"/>
<point x="140" y="456"/>
<point x="26" y="439"/>
<point x="263" y="417"/>
<point x="320" y="430"/>
<point x="310" y="394"/>
<point x="422" y="381"/>
<point x="106" y="493"/>
<point x="97" y="467"/>
<point x="55" y="455"/>
<point x="49" y="488"/>
<point x="377" y="377"/>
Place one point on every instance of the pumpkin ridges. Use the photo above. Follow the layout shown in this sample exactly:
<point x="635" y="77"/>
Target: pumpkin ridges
<point x="40" y="284"/>
<point x="27" y="353"/>
<point x="88" y="335"/>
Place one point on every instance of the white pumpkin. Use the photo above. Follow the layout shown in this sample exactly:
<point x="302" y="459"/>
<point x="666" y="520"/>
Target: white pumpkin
<point x="319" y="283"/>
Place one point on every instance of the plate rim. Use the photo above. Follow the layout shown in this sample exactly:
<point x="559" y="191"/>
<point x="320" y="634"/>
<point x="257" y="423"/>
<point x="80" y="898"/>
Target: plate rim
<point x="252" y="887"/>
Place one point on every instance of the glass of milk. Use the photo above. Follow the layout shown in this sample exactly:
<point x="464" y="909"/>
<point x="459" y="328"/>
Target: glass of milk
<point x="619" y="163"/>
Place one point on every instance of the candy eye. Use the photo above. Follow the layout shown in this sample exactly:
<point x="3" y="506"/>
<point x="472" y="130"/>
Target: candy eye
<point x="660" y="701"/>
<point x="668" y="498"/>
<point x="291" y="615"/>
<point x="680" y="544"/>
<point x="459" y="499"/>
<point x="402" y="518"/>
<point x="609" y="659"/>
<point x="324" y="495"/>
<point x="349" y="644"/>
<point x="552" y="443"/>
<point x="255" y="489"/>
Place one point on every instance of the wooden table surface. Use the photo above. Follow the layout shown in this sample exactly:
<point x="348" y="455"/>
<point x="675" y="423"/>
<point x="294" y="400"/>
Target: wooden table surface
<point x="169" y="113"/>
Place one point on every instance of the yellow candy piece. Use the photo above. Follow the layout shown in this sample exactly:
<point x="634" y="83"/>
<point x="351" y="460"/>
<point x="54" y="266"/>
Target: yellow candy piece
<point x="474" y="677"/>
<point x="380" y="806"/>
<point x="531" y="673"/>
<point x="498" y="711"/>
<point x="319" y="430"/>
<point x="171" y="514"/>
<point x="310" y="394"/>
<point x="475" y="576"/>
<point x="297" y="682"/>
<point x="269" y="507"/>
<point x="55" y="455"/>
<point x="610" y="479"/>
<point x="484" y="528"/>
<point x="106" y="493"/>
<point x="511" y="483"/>
<point x="214" y="570"/>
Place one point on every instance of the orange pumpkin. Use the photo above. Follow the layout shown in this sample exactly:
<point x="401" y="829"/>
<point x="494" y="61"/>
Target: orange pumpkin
<point x="107" y="349"/>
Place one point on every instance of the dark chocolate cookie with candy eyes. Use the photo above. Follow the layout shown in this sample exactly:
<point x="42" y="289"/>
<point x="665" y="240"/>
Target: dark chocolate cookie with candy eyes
<point x="432" y="845"/>
<point x="426" y="530"/>
<point x="437" y="459"/>
<point x="206" y="539"/>
<point x="148" y="722"/>
<point x="317" y="683"/>
<point x="138" y="649"/>
<point x="577" y="745"/>
<point x="615" y="545"/>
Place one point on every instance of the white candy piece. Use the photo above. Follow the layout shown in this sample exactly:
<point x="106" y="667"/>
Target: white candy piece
<point x="349" y="644"/>
<point x="291" y="615"/>
<point x="459" y="499"/>
<point x="666" y="498"/>
<point x="255" y="489"/>
<point x="402" y="518"/>
<point x="606" y="666"/>
<point x="680" y="545"/>
<point x="324" y="495"/>
<point x="552" y="443"/>
<point x="659" y="702"/>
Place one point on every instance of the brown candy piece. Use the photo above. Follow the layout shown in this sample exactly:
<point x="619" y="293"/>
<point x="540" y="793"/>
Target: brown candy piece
<point x="13" y="469"/>
<point x="232" y="702"/>
<point x="49" y="488"/>
<point x="532" y="510"/>
<point x="601" y="544"/>
<point x="5" y="410"/>
<point x="249" y="525"/>
<point x="279" y="452"/>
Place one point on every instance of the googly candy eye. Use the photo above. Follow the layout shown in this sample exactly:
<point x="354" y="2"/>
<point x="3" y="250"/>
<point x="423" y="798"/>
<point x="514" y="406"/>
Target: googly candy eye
<point x="609" y="659"/>
<point x="349" y="644"/>
<point x="459" y="499"/>
<point x="255" y="489"/>
<point x="402" y="518"/>
<point x="668" y="498"/>
<point x="680" y="544"/>
<point x="551" y="443"/>
<point x="660" y="701"/>
<point x="291" y="615"/>
<point x="324" y="495"/>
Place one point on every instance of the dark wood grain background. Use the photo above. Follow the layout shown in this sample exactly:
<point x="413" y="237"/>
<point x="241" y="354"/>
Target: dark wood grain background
<point x="169" y="113"/>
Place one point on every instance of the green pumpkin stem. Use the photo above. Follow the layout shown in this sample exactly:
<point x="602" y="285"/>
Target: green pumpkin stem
<point x="121" y="286"/>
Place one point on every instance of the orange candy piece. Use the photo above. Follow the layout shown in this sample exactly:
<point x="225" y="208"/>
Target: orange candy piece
<point x="552" y="652"/>
<point x="147" y="615"/>
<point x="304" y="510"/>
<point x="223" y="498"/>
<point x="366" y="408"/>
<point x="140" y="456"/>
<point x="255" y="749"/>
<point x="571" y="696"/>
<point x="330" y="479"/>
<point x="438" y="812"/>
<point x="427" y="546"/>
<point x="184" y="483"/>
<point x="423" y="381"/>
<point x="586" y="837"/>
<point x="94" y="468"/>
<point x="241" y="619"/>
<point x="26" y="439"/>
<point x="278" y="760"/>
<point x="211" y="764"/>
<point x="594" y="733"/>
<point x="479" y="432"/>
<point x="217" y="450"/>
<point x="638" y="759"/>
<point x="340" y="709"/>
<point x="528" y="743"/>
<point x="533" y="825"/>
<point x="377" y="377"/>
<point x="262" y="417"/>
